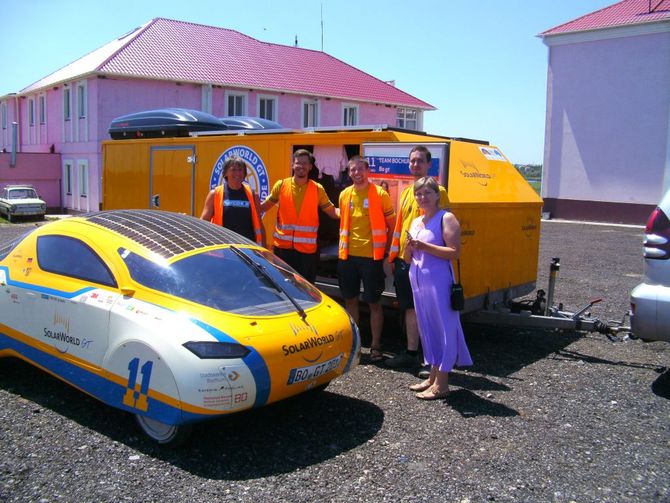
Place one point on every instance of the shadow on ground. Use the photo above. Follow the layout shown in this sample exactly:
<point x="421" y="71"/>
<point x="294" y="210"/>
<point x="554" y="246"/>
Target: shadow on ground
<point x="279" y="438"/>
<point x="661" y="386"/>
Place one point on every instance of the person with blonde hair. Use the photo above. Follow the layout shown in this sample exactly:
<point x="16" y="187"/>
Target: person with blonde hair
<point x="433" y="241"/>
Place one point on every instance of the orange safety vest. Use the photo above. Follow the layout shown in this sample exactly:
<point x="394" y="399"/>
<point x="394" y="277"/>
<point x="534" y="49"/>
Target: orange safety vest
<point x="377" y="222"/>
<point x="395" y="241"/>
<point x="293" y="230"/>
<point x="255" y="218"/>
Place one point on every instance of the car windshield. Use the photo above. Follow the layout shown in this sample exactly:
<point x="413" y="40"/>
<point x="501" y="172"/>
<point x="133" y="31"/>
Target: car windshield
<point x="22" y="194"/>
<point x="222" y="280"/>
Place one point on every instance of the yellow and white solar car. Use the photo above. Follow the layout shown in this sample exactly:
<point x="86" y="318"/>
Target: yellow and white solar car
<point x="168" y="317"/>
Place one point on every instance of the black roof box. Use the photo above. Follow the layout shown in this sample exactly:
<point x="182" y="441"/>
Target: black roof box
<point x="163" y="122"/>
<point x="170" y="122"/>
<point x="244" y="122"/>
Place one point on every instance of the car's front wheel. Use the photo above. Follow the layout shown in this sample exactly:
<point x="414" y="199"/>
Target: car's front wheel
<point x="169" y="435"/>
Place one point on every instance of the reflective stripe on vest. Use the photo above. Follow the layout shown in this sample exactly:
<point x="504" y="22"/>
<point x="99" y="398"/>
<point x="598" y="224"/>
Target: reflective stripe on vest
<point x="219" y="202"/>
<point x="293" y="230"/>
<point x="397" y="230"/>
<point x="377" y="222"/>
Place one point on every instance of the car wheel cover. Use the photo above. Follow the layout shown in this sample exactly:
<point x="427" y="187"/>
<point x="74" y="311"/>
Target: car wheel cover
<point x="157" y="430"/>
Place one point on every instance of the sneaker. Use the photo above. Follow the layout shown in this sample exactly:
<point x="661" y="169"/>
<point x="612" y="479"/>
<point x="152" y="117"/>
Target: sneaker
<point x="402" y="360"/>
<point x="424" y="373"/>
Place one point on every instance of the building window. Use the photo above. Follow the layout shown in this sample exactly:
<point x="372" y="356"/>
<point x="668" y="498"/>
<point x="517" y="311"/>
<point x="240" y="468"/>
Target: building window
<point x="81" y="100"/>
<point x="267" y="108"/>
<point x="236" y="104"/>
<point x="310" y="113"/>
<point x="43" y="109"/>
<point x="350" y="115"/>
<point x="31" y="112"/>
<point x="206" y="98"/>
<point x="3" y="106"/>
<point x="67" y="178"/>
<point x="83" y="179"/>
<point x="67" y="106"/>
<point x="407" y="118"/>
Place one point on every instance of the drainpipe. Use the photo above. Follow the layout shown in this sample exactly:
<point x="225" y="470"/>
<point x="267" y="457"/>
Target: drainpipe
<point x="15" y="135"/>
<point x="16" y="146"/>
<point x="17" y="119"/>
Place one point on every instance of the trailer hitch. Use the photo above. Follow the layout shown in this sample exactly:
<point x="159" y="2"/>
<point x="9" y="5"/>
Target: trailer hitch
<point x="543" y="314"/>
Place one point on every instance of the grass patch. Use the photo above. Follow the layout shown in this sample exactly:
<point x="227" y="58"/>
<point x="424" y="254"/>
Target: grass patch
<point x="536" y="184"/>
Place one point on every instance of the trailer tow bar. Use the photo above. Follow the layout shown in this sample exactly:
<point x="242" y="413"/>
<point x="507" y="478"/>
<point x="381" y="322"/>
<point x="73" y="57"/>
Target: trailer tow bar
<point x="541" y="313"/>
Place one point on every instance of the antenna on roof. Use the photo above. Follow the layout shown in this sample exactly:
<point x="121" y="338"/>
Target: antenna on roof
<point x="295" y="44"/>
<point x="321" y="26"/>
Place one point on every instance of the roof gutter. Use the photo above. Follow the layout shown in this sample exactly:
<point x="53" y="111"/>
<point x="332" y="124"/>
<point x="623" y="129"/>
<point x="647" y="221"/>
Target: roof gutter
<point x="605" y="33"/>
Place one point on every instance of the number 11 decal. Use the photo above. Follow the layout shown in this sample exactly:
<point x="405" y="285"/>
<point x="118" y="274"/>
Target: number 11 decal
<point x="132" y="398"/>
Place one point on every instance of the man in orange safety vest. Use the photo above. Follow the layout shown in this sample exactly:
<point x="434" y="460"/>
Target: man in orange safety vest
<point x="297" y="223"/>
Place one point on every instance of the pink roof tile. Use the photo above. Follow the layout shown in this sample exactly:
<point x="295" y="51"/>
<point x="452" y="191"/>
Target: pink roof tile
<point x="626" y="12"/>
<point x="177" y="50"/>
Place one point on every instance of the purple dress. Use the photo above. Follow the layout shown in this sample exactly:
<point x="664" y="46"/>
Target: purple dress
<point x="440" y="329"/>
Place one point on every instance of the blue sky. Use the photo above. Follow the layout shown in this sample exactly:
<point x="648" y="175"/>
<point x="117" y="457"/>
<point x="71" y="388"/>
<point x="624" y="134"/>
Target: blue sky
<point x="478" y="61"/>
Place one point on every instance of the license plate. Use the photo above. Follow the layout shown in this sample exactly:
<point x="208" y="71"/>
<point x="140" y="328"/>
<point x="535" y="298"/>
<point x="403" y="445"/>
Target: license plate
<point x="306" y="373"/>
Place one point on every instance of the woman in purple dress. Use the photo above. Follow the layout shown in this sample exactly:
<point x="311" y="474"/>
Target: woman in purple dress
<point x="433" y="242"/>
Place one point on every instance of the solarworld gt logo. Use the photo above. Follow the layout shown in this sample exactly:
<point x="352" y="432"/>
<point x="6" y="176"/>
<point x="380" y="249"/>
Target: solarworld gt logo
<point x="257" y="176"/>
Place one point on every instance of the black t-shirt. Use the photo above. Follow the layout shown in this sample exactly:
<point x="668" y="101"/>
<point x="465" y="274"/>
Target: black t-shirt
<point x="237" y="212"/>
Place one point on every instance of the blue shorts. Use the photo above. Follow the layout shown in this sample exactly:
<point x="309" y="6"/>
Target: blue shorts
<point x="403" y="287"/>
<point x="354" y="270"/>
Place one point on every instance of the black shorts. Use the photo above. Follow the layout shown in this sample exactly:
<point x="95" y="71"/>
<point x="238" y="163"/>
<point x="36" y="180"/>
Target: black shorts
<point x="352" y="271"/>
<point x="403" y="287"/>
<point x="304" y="263"/>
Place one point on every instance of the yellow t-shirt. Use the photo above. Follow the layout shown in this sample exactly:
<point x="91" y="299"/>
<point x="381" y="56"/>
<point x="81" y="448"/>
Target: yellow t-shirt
<point x="360" y="233"/>
<point x="410" y="210"/>
<point x="299" y="194"/>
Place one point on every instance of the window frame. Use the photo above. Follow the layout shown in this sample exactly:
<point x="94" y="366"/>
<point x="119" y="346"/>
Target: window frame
<point x="265" y="98"/>
<point x="235" y="94"/>
<point x="82" y="177"/>
<point x="402" y="118"/>
<point x="67" y="177"/>
<point x="42" y="112"/>
<point x="349" y="107"/>
<point x="67" y="104"/>
<point x="305" y="115"/>
<point x="81" y="100"/>
<point x="31" y="111"/>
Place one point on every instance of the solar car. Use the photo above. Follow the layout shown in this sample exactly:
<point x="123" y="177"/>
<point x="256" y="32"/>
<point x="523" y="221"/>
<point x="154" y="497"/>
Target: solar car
<point x="168" y="317"/>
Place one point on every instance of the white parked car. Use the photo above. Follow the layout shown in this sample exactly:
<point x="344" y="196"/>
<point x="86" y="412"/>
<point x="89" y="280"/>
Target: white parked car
<point x="650" y="300"/>
<point x="21" y="200"/>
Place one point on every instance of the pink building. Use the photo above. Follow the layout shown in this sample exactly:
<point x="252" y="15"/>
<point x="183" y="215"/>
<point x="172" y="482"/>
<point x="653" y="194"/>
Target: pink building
<point x="607" y="138"/>
<point x="168" y="63"/>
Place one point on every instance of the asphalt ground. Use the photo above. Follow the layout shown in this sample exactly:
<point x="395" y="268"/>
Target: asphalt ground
<point x="541" y="416"/>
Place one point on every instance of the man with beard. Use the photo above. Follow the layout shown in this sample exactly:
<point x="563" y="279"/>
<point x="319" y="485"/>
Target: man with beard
<point x="297" y="224"/>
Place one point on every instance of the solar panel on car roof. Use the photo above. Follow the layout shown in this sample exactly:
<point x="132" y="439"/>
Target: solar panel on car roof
<point x="167" y="234"/>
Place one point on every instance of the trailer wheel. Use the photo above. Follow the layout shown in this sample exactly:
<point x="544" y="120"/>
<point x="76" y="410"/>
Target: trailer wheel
<point x="169" y="435"/>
